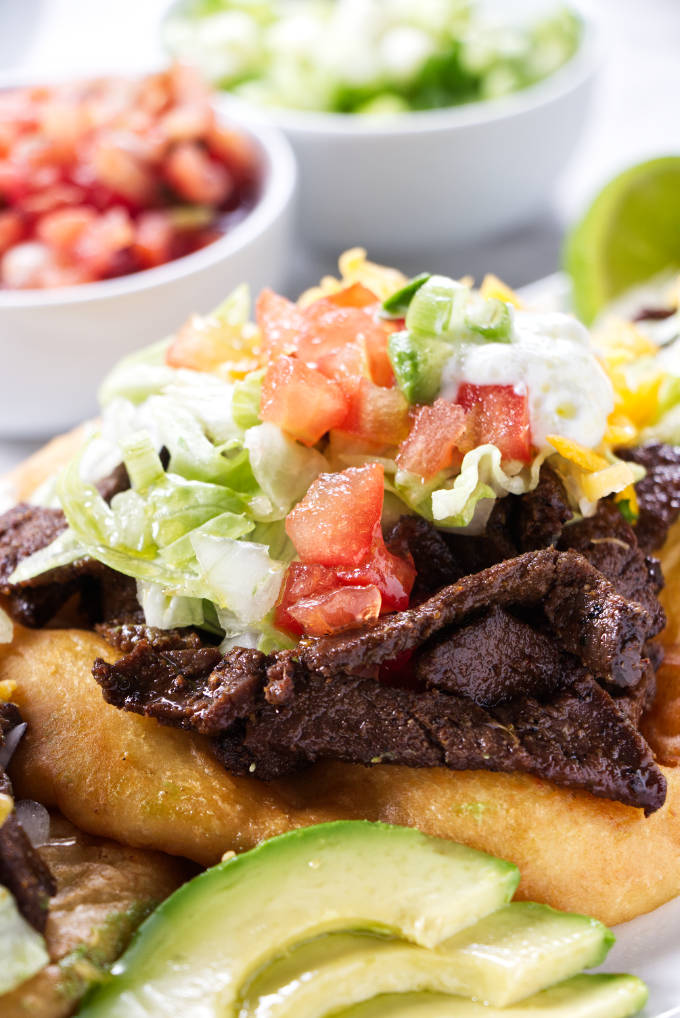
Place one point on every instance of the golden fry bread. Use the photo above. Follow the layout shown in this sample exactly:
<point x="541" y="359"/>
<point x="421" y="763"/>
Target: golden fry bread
<point x="113" y="773"/>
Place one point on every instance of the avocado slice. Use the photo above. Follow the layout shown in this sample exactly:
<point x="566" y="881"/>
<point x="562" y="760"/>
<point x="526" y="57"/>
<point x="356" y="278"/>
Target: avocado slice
<point x="22" y="949"/>
<point x="597" y="996"/>
<point x="193" y="955"/>
<point x="509" y="955"/>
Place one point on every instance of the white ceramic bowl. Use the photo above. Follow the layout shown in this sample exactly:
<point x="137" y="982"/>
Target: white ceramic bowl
<point x="438" y="179"/>
<point x="56" y="345"/>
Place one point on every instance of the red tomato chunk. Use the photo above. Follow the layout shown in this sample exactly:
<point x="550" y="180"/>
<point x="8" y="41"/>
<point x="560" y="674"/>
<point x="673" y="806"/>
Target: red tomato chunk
<point x="393" y="576"/>
<point x="334" y="523"/>
<point x="339" y="609"/>
<point x="301" y="401"/>
<point x="106" y="177"/>
<point x="348" y="576"/>
<point x="433" y="438"/>
<point x="499" y="415"/>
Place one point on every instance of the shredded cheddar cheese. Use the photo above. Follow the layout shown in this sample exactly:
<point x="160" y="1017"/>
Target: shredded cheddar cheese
<point x="492" y="286"/>
<point x="577" y="454"/>
<point x="7" y="688"/>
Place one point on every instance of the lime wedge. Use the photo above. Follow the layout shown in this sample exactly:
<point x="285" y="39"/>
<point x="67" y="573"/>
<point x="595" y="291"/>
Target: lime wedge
<point x="630" y="233"/>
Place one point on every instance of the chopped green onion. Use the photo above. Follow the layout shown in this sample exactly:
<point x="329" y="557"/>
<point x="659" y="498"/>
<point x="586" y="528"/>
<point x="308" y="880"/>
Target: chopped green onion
<point x="191" y="217"/>
<point x="489" y="317"/>
<point x="398" y="303"/>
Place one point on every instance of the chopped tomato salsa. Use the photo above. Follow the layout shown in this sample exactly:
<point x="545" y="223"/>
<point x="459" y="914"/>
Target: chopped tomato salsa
<point x="347" y="575"/>
<point x="106" y="177"/>
<point x="433" y="438"/>
<point x="497" y="414"/>
<point x="301" y="401"/>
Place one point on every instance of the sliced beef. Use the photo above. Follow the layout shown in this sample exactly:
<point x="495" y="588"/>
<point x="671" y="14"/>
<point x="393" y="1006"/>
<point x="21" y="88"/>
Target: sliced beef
<point x="25" y="529"/>
<point x="576" y="738"/>
<point x="517" y="523"/>
<point x="124" y="635"/>
<point x="118" y="480"/>
<point x="538" y="517"/>
<point x="102" y="593"/>
<point x="272" y="715"/>
<point x="658" y="492"/>
<point x="494" y="659"/>
<point x="610" y="544"/>
<point x="187" y="688"/>
<point x="588" y="618"/>
<point x="436" y="565"/>
<point x="21" y="868"/>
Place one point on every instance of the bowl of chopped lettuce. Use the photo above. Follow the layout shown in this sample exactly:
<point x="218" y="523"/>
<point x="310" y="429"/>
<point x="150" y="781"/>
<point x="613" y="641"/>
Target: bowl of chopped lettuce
<point x="416" y="126"/>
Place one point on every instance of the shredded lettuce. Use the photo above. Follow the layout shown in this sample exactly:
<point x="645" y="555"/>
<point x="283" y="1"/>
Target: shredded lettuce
<point x="245" y="405"/>
<point x="481" y="477"/>
<point x="64" y="550"/>
<point x="168" y="611"/>
<point x="283" y="468"/>
<point x="239" y="576"/>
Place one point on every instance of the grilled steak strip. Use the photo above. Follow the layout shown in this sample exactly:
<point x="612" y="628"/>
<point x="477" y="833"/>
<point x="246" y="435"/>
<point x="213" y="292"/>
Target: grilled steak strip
<point x="21" y="868"/>
<point x="102" y="592"/>
<point x="576" y="738"/>
<point x="272" y="716"/>
<point x="186" y="688"/>
<point x="658" y="492"/>
<point x="588" y="618"/>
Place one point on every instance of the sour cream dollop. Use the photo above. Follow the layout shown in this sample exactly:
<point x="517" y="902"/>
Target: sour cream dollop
<point x="550" y="357"/>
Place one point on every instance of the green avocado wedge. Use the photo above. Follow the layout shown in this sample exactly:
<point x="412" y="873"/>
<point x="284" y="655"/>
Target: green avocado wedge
<point x="193" y="955"/>
<point x="597" y="996"/>
<point x="505" y="957"/>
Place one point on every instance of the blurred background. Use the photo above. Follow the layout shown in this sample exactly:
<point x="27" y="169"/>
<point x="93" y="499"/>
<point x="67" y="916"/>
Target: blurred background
<point x="632" y="114"/>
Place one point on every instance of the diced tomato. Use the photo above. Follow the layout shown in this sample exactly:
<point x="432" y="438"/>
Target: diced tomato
<point x="500" y="415"/>
<point x="154" y="235"/>
<point x="124" y="173"/>
<point x="377" y="415"/>
<point x="102" y="240"/>
<point x="335" y="522"/>
<point x="434" y="435"/>
<point x="203" y="343"/>
<point x="342" y="608"/>
<point x="355" y="296"/>
<point x="62" y="228"/>
<point x="393" y="576"/>
<point x="11" y="229"/>
<point x="189" y="121"/>
<point x="301" y="581"/>
<point x="234" y="149"/>
<point x="379" y="362"/>
<point x="196" y="176"/>
<point x="280" y="323"/>
<point x="328" y="328"/>
<point x="301" y="401"/>
<point x="347" y="366"/>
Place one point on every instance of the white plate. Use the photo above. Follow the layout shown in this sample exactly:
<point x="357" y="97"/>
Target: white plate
<point x="649" y="946"/>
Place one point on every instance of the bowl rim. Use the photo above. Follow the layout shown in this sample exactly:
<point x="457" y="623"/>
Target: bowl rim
<point x="579" y="69"/>
<point x="278" y="187"/>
